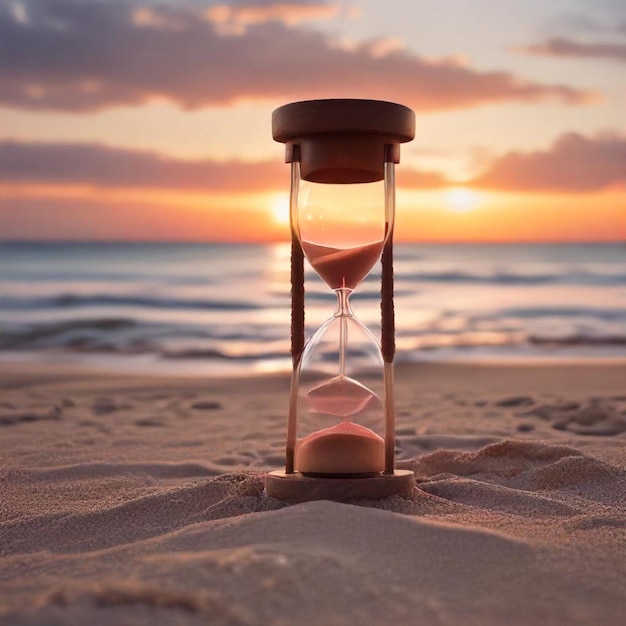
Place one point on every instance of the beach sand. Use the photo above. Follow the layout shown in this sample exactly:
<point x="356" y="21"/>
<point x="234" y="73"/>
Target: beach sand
<point x="129" y="500"/>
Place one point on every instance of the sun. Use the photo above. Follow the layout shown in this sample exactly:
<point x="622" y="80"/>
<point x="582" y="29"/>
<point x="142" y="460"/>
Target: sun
<point x="280" y="209"/>
<point x="461" y="199"/>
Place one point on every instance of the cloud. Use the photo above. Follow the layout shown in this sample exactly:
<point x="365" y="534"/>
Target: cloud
<point x="416" y="179"/>
<point x="568" y="23"/>
<point x="238" y="13"/>
<point x="574" y="163"/>
<point x="101" y="166"/>
<point x="73" y="56"/>
<point x="576" y="22"/>
<point x="563" y="47"/>
<point x="50" y="218"/>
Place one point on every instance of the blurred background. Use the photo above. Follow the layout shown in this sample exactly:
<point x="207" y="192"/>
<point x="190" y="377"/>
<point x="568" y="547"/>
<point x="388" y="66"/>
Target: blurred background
<point x="143" y="203"/>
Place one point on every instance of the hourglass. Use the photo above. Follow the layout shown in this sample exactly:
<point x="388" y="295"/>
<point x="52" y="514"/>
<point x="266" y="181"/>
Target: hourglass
<point x="340" y="433"/>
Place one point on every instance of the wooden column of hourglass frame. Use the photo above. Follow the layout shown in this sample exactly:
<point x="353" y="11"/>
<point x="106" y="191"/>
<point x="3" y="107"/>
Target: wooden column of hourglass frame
<point x="343" y="141"/>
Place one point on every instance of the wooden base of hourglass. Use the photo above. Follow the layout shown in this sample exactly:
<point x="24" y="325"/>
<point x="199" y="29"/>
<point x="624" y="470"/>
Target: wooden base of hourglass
<point x="299" y="487"/>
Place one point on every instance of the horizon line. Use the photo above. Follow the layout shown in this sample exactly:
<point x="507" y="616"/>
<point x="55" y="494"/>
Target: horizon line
<point x="282" y="241"/>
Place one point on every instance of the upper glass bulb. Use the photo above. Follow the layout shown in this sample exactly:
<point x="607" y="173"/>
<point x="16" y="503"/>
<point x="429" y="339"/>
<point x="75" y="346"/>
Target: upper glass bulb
<point x="342" y="229"/>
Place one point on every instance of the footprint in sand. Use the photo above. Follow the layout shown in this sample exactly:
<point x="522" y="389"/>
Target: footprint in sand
<point x="515" y="401"/>
<point x="149" y="423"/>
<point x="103" y="405"/>
<point x="13" y="418"/>
<point x="206" y="405"/>
<point x="595" y="418"/>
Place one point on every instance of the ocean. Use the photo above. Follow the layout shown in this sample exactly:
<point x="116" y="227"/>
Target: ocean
<point x="224" y="309"/>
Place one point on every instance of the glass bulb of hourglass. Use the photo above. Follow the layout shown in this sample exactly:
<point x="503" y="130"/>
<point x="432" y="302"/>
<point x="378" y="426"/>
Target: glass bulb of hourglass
<point x="343" y="339"/>
<point x="340" y="400"/>
<point x="342" y="230"/>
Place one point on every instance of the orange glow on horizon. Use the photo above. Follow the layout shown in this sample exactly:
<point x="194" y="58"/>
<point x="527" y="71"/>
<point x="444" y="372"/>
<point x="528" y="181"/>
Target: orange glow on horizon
<point x="461" y="199"/>
<point x="467" y="215"/>
<point x="281" y="210"/>
<point x="511" y="217"/>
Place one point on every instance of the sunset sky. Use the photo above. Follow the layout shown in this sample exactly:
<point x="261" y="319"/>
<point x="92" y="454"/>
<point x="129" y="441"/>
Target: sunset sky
<point x="139" y="120"/>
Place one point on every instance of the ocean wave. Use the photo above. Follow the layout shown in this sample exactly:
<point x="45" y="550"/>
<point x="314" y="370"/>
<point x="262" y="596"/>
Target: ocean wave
<point x="63" y="334"/>
<point x="224" y="305"/>
<point x="510" y="341"/>
<point x="90" y="275"/>
<point x="503" y="279"/>
<point x="578" y="340"/>
<point x="125" y="336"/>
<point x="210" y="354"/>
<point x="598" y="313"/>
<point x="68" y="300"/>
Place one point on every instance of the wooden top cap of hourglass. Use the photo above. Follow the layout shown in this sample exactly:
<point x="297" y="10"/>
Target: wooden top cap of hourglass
<point x="342" y="141"/>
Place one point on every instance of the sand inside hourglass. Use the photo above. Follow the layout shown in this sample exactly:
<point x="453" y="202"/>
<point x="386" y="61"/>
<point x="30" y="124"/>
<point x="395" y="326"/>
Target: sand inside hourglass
<point x="342" y="268"/>
<point x="346" y="448"/>
<point x="340" y="396"/>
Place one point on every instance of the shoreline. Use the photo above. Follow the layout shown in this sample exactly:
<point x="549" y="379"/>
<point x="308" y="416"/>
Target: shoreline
<point x="614" y="369"/>
<point x="171" y="364"/>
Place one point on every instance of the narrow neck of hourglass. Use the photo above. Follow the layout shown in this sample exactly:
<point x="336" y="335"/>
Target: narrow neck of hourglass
<point x="343" y="302"/>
